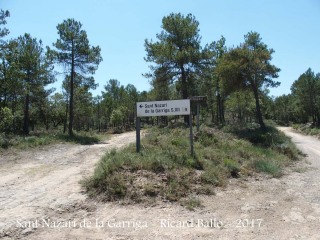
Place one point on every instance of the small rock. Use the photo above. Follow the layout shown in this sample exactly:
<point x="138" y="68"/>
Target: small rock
<point x="272" y="203"/>
<point x="311" y="218"/>
<point x="27" y="231"/>
<point x="297" y="217"/>
<point x="247" y="208"/>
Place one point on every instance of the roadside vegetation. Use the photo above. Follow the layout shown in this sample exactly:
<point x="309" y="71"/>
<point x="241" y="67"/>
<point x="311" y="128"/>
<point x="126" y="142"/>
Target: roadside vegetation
<point x="307" y="129"/>
<point x="165" y="170"/>
<point x="44" y="138"/>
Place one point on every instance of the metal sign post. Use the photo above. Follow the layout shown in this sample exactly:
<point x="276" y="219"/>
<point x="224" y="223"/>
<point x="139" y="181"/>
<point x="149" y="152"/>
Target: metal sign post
<point x="138" y="134"/>
<point x="191" y="135"/>
<point x="162" y="108"/>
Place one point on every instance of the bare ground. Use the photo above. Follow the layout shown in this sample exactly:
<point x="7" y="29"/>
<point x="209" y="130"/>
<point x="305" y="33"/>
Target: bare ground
<point x="40" y="198"/>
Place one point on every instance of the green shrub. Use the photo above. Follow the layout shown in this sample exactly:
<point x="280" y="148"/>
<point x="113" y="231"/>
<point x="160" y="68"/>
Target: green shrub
<point x="268" y="166"/>
<point x="109" y="187"/>
<point x="82" y="138"/>
<point x="214" y="176"/>
<point x="191" y="203"/>
<point x="151" y="190"/>
<point x="307" y="129"/>
<point x="174" y="174"/>
<point x="4" y="141"/>
<point x="232" y="166"/>
<point x="6" y="122"/>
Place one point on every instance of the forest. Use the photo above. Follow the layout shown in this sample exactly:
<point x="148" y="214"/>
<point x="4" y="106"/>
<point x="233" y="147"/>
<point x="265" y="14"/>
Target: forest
<point x="235" y="81"/>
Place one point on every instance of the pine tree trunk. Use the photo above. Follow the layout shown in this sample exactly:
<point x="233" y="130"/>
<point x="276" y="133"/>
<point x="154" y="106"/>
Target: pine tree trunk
<point x="258" y="108"/>
<point x="66" y="119"/>
<point x="70" y="131"/>
<point x="99" y="125"/>
<point x="26" y="116"/>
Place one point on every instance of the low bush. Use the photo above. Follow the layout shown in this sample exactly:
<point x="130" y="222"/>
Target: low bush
<point x="307" y="129"/>
<point x="45" y="138"/>
<point x="164" y="169"/>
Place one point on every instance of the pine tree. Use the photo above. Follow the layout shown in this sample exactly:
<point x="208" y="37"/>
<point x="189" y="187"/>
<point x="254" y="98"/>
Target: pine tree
<point x="74" y="52"/>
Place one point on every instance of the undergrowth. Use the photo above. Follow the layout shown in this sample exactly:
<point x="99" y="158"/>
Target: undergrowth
<point x="41" y="139"/>
<point x="307" y="129"/>
<point x="164" y="169"/>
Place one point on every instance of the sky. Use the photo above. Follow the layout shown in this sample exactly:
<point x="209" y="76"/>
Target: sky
<point x="120" y="27"/>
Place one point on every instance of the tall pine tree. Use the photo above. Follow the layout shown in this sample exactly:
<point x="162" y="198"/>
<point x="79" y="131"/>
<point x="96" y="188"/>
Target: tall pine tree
<point x="249" y="66"/>
<point x="177" y="55"/>
<point x="35" y="72"/>
<point x="74" y="52"/>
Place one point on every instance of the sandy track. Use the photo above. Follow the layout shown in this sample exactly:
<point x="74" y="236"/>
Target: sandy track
<point x="34" y="182"/>
<point x="307" y="144"/>
<point x="260" y="207"/>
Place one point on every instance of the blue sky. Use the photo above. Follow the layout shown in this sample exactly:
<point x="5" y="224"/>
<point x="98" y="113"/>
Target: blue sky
<point x="119" y="27"/>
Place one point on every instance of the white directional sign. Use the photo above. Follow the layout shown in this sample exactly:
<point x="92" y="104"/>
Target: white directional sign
<point x="163" y="108"/>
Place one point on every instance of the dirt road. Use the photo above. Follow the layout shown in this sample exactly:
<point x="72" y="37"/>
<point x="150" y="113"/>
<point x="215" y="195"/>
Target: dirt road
<point x="307" y="144"/>
<point x="40" y="198"/>
<point x="34" y="183"/>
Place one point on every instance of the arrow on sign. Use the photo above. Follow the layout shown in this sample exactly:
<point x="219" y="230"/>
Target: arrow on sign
<point x="141" y="106"/>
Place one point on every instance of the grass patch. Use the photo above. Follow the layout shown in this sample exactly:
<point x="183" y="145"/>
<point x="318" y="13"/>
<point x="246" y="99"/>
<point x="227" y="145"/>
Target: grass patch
<point x="42" y="139"/>
<point x="260" y="137"/>
<point x="151" y="190"/>
<point x="80" y="138"/>
<point x="307" y="129"/>
<point x="269" y="167"/>
<point x="191" y="203"/>
<point x="301" y="169"/>
<point x="23" y="142"/>
<point x="164" y="169"/>
<point x="270" y="138"/>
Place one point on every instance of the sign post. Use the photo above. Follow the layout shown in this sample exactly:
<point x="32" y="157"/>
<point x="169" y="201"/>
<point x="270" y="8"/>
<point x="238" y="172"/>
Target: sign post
<point x="138" y="134"/>
<point x="191" y="135"/>
<point x="198" y="100"/>
<point x="162" y="108"/>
